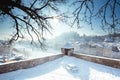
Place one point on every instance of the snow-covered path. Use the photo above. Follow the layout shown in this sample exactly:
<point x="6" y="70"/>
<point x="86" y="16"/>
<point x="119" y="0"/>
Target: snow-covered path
<point x="56" y="70"/>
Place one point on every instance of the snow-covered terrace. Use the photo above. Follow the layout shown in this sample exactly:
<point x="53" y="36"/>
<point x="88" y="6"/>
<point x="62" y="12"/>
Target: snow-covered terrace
<point x="60" y="69"/>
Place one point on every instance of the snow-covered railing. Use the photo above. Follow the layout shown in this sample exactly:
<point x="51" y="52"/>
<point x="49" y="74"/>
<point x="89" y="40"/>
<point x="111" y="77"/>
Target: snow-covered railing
<point x="101" y="60"/>
<point x="12" y="66"/>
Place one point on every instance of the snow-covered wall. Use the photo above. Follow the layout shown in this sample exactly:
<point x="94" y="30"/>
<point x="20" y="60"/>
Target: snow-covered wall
<point x="101" y="60"/>
<point x="33" y="62"/>
<point x="26" y="63"/>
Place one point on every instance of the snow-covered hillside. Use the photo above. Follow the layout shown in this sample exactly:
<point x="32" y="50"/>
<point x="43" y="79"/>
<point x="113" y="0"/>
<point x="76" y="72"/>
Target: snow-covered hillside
<point x="23" y="50"/>
<point x="104" y="49"/>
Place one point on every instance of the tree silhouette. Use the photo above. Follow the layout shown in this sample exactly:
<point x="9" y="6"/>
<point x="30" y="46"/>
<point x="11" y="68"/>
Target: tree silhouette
<point x="29" y="15"/>
<point x="107" y="11"/>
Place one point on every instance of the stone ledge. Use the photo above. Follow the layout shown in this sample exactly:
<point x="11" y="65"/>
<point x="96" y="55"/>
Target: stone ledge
<point x="101" y="60"/>
<point x="27" y="63"/>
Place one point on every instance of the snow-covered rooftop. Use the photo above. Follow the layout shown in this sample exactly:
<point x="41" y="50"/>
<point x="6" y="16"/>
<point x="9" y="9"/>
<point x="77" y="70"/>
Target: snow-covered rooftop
<point x="63" y="69"/>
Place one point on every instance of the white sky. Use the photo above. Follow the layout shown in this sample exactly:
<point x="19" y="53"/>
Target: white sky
<point x="58" y="27"/>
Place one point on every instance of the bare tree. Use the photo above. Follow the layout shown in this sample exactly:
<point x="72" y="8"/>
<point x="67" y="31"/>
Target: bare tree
<point x="30" y="16"/>
<point x="106" y="11"/>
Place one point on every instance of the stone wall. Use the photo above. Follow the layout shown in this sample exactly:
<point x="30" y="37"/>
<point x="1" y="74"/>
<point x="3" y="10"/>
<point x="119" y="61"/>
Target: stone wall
<point x="34" y="62"/>
<point x="27" y="63"/>
<point x="101" y="60"/>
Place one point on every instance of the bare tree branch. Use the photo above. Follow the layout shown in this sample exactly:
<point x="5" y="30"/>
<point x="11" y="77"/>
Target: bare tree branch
<point x="31" y="20"/>
<point x="107" y="13"/>
<point x="34" y="20"/>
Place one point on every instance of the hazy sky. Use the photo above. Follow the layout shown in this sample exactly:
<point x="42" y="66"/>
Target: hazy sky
<point x="86" y="29"/>
<point x="6" y="29"/>
<point x="58" y="28"/>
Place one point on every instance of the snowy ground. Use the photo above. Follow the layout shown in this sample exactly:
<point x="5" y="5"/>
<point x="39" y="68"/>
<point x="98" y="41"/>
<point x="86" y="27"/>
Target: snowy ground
<point x="58" y="70"/>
